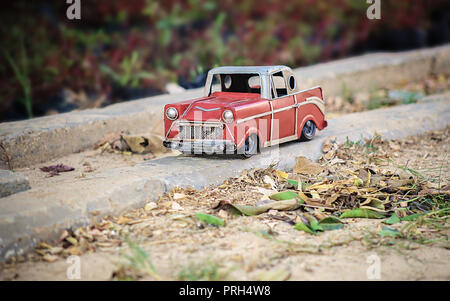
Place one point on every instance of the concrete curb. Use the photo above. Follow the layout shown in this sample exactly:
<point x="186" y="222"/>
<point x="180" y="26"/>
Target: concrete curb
<point x="42" y="212"/>
<point x="38" y="140"/>
<point x="11" y="183"/>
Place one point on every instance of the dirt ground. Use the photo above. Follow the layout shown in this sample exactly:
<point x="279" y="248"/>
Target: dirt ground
<point x="165" y="240"/>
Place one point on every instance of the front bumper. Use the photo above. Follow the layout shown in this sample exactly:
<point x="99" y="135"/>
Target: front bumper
<point x="202" y="146"/>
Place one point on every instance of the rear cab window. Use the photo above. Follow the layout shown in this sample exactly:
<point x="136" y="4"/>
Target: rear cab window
<point x="238" y="83"/>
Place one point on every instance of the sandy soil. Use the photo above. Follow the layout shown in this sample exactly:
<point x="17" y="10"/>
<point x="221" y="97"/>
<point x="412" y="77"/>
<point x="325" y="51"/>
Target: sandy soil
<point x="248" y="248"/>
<point x="242" y="254"/>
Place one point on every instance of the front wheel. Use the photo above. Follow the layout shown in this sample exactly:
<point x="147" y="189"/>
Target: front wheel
<point x="250" y="147"/>
<point x="308" y="131"/>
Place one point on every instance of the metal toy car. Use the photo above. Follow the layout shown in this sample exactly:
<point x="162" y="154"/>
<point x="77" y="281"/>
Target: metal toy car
<point x="249" y="108"/>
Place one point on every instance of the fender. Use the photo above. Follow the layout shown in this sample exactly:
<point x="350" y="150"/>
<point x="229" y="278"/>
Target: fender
<point x="251" y="130"/>
<point x="305" y="119"/>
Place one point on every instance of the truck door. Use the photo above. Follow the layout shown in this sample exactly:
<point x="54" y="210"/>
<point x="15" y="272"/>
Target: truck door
<point x="283" y="110"/>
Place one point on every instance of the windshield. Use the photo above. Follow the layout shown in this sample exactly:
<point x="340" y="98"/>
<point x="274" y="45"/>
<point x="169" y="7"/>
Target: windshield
<point x="236" y="82"/>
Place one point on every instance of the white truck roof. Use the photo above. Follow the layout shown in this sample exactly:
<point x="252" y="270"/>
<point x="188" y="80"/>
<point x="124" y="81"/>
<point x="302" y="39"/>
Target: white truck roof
<point x="263" y="70"/>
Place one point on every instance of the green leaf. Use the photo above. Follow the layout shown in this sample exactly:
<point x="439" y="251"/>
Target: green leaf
<point x="293" y="183"/>
<point x="210" y="219"/>
<point x="303" y="227"/>
<point x="361" y="213"/>
<point x="358" y="182"/>
<point x="330" y="227"/>
<point x="285" y="195"/>
<point x="330" y="220"/>
<point x="290" y="204"/>
<point x="388" y="232"/>
<point x="377" y="204"/>
<point x="314" y="224"/>
<point x="412" y="217"/>
<point x="394" y="219"/>
<point x="331" y="223"/>
<point x="247" y="210"/>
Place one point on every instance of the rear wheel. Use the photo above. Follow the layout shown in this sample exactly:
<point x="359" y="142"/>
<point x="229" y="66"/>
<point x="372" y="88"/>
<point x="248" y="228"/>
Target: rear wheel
<point x="250" y="147"/>
<point x="308" y="131"/>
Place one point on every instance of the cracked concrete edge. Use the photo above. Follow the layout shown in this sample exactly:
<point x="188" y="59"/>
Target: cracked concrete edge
<point x="20" y="232"/>
<point x="37" y="140"/>
<point x="26" y="218"/>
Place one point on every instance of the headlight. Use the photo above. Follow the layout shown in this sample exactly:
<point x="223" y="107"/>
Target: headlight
<point x="172" y="113"/>
<point x="227" y="116"/>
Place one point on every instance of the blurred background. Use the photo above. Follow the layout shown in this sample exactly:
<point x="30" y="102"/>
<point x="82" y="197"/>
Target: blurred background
<point x="127" y="49"/>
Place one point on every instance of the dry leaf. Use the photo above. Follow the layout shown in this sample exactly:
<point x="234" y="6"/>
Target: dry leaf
<point x="306" y="167"/>
<point x="178" y="196"/>
<point x="319" y="215"/>
<point x="150" y="206"/>
<point x="282" y="174"/>
<point x="72" y="240"/>
<point x="177" y="207"/>
<point x="268" y="180"/>
<point x="75" y="251"/>
<point x="137" y="144"/>
<point x="329" y="155"/>
<point x="329" y="144"/>
<point x="123" y="220"/>
<point x="50" y="258"/>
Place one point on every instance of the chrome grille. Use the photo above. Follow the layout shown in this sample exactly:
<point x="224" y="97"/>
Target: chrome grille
<point x="201" y="132"/>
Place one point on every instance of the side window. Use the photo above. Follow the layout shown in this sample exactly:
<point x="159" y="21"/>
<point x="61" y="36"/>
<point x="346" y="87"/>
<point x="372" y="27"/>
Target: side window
<point x="292" y="83"/>
<point x="215" y="84"/>
<point x="280" y="84"/>
<point x="240" y="83"/>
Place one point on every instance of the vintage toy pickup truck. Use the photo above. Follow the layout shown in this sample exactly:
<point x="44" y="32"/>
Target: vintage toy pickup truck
<point x="243" y="110"/>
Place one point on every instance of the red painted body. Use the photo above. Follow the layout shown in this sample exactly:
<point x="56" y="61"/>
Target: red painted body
<point x="274" y="120"/>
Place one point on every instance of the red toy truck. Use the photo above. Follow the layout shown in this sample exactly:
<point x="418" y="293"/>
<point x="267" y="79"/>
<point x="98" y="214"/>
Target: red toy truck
<point x="243" y="110"/>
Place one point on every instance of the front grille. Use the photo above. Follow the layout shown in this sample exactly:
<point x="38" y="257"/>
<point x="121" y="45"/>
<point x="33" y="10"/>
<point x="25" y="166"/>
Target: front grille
<point x="201" y="132"/>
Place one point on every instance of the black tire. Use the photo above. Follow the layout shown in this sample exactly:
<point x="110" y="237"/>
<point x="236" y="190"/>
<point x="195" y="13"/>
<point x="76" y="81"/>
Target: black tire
<point x="250" y="147"/>
<point x="308" y="131"/>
